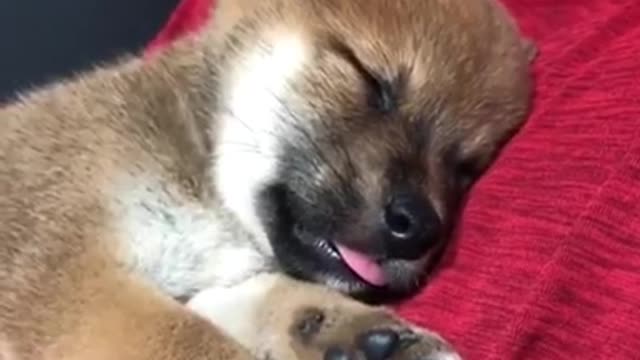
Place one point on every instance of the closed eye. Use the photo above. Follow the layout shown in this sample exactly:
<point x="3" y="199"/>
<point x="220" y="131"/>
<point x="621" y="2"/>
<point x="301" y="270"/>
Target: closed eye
<point x="463" y="170"/>
<point x="466" y="171"/>
<point x="382" y="96"/>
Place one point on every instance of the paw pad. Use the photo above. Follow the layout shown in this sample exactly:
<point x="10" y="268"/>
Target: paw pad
<point x="378" y="344"/>
<point x="310" y="323"/>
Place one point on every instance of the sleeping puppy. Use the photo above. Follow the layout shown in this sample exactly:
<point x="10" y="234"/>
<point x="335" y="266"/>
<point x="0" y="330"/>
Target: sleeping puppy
<point x="329" y="140"/>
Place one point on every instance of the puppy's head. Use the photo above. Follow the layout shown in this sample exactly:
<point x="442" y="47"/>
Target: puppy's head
<point x="352" y="129"/>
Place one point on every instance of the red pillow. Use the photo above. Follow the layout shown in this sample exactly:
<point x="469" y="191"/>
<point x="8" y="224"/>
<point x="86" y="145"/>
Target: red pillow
<point x="547" y="259"/>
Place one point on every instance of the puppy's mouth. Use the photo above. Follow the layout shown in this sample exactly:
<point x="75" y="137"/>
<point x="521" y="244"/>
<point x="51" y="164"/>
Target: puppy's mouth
<point x="364" y="266"/>
<point x="315" y="254"/>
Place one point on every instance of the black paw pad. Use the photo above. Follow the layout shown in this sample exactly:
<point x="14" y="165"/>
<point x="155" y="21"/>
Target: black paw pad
<point x="378" y="344"/>
<point x="309" y="324"/>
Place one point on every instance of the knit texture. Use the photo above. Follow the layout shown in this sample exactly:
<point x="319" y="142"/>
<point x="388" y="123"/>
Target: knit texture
<point x="546" y="260"/>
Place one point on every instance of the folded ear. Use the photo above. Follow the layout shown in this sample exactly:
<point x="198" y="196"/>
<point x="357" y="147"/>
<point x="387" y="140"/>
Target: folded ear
<point x="530" y="48"/>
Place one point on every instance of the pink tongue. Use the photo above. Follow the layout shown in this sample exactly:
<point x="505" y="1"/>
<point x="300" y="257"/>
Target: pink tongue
<point x="362" y="265"/>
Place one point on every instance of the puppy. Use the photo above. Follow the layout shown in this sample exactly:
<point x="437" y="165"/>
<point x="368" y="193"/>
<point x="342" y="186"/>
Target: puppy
<point x="329" y="140"/>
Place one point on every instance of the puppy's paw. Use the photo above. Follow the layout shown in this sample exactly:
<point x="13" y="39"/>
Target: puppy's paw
<point x="283" y="319"/>
<point x="331" y="333"/>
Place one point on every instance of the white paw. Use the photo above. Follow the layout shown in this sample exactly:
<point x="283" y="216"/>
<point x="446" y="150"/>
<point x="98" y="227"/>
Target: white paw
<point x="235" y="309"/>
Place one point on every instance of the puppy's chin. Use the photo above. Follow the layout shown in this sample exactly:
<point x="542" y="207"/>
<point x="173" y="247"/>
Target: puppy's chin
<point x="313" y="257"/>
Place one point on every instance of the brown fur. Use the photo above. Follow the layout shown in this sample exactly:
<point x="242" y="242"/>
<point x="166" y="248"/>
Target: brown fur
<point x="64" y="290"/>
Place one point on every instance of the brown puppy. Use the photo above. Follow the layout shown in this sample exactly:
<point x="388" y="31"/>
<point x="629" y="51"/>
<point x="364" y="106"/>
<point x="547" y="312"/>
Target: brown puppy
<point x="329" y="139"/>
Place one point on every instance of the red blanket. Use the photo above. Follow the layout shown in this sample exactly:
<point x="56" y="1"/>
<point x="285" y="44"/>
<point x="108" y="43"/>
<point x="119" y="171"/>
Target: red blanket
<point x="547" y="259"/>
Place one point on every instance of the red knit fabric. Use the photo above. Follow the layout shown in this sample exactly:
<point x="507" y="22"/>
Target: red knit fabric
<point x="189" y="16"/>
<point x="546" y="264"/>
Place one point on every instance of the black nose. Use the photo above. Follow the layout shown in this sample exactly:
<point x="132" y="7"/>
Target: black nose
<point x="411" y="225"/>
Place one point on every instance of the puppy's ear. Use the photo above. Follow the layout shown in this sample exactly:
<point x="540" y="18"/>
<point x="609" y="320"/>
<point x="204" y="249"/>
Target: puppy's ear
<point x="530" y="48"/>
<point x="227" y="13"/>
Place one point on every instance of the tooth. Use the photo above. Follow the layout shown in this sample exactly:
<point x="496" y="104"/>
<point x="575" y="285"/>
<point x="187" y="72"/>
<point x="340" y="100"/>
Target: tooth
<point x="327" y="248"/>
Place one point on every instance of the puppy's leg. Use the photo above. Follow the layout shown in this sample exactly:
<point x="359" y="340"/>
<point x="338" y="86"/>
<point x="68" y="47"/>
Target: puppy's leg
<point x="281" y="318"/>
<point x="111" y="315"/>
